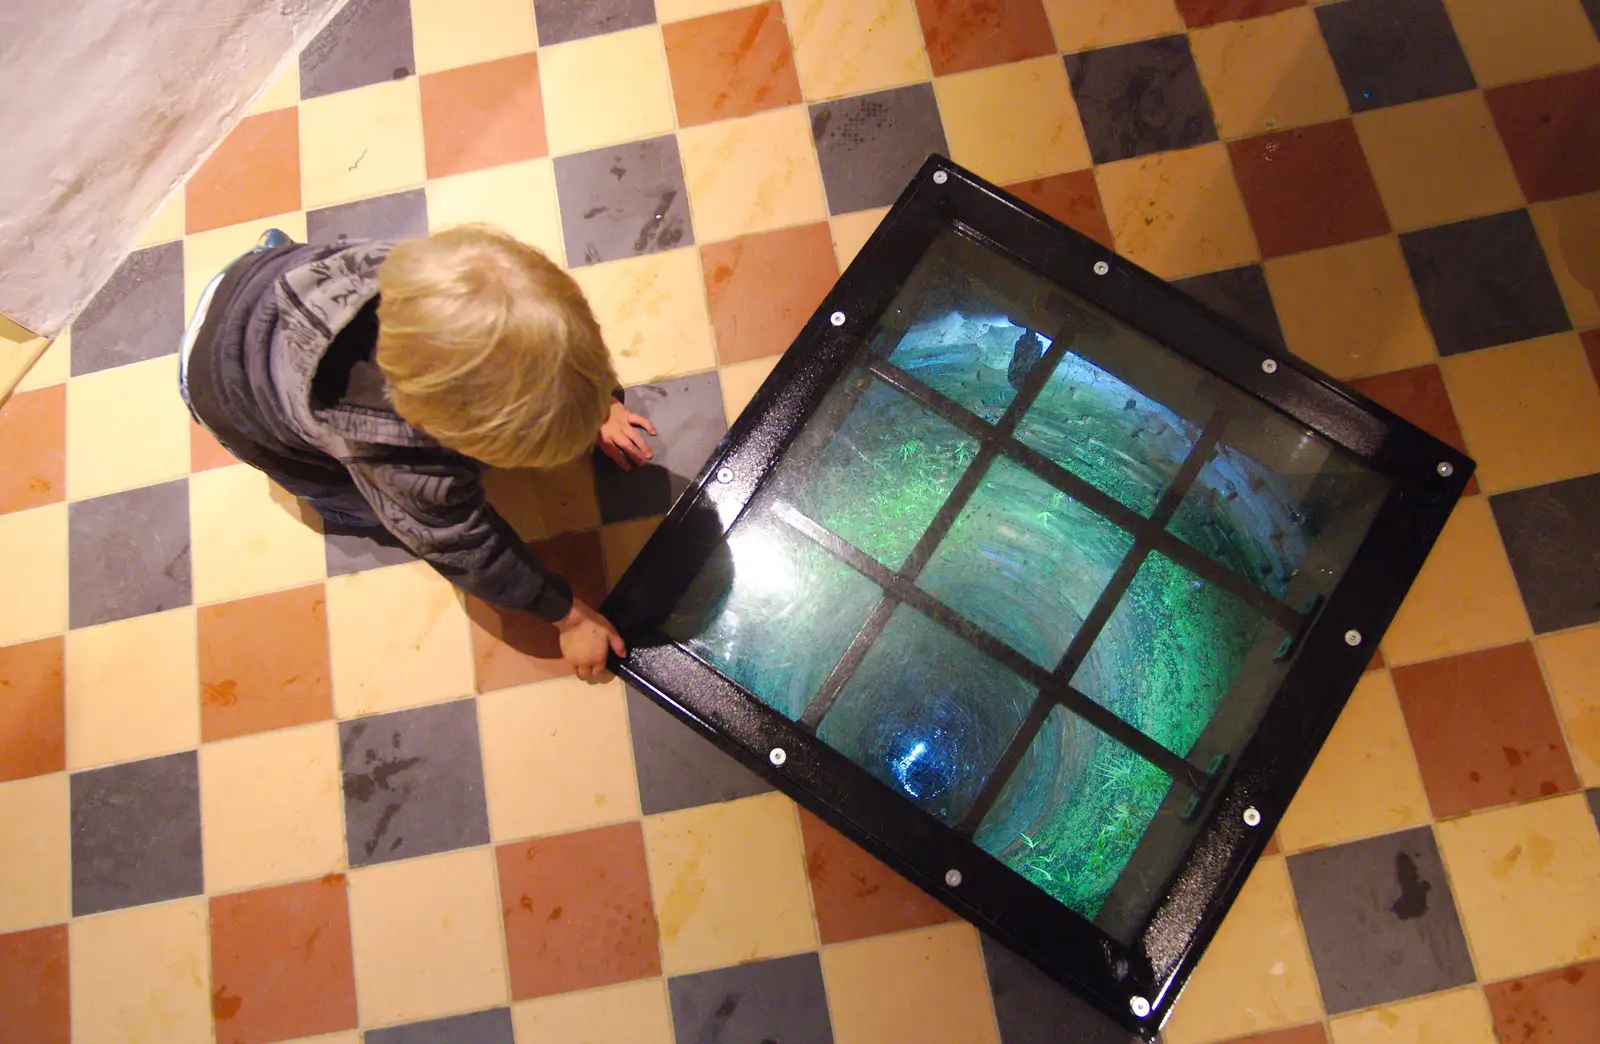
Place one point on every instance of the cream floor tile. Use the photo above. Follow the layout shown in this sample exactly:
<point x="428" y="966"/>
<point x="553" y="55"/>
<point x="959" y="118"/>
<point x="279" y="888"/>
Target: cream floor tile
<point x="1530" y="411"/>
<point x="142" y="975"/>
<point x="1257" y="975"/>
<point x="1013" y="122"/>
<point x="249" y="536"/>
<point x="652" y="310"/>
<point x="282" y="92"/>
<point x="398" y="638"/>
<point x="427" y="937"/>
<point x="1078" y="26"/>
<point x="1465" y="598"/>
<point x="851" y="232"/>
<point x="271" y="807"/>
<point x="359" y="143"/>
<point x="1178" y="213"/>
<point x="729" y="883"/>
<point x="126" y="427"/>
<point x="1269" y="73"/>
<point x="637" y="1013"/>
<point x="1572" y="667"/>
<point x="167" y="225"/>
<point x="33" y="559"/>
<point x="36" y="870"/>
<point x="444" y="36"/>
<point x="1521" y="41"/>
<point x="1569" y="228"/>
<point x="133" y="689"/>
<point x="855" y="46"/>
<point x="53" y="367"/>
<point x="540" y="504"/>
<point x="207" y="253"/>
<point x="621" y="542"/>
<point x="740" y="382"/>
<point x="1365" y="781"/>
<point x="518" y="197"/>
<point x="606" y="89"/>
<point x="752" y="175"/>
<point x="1456" y="1017"/>
<point x="926" y="987"/>
<point x="556" y="758"/>
<point x="1527" y="884"/>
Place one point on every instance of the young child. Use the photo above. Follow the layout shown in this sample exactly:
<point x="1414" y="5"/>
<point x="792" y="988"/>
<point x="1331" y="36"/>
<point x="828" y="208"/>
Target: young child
<point x="376" y="380"/>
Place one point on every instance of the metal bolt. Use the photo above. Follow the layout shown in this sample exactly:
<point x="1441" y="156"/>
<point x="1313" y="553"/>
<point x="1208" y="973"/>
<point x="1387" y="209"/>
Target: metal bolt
<point x="952" y="878"/>
<point x="1446" y="469"/>
<point x="837" y="319"/>
<point x="940" y="177"/>
<point x="1352" y="637"/>
<point x="1269" y="366"/>
<point x="1252" y="817"/>
<point x="1139" y="1006"/>
<point x="724" y="475"/>
<point x="1101" y="268"/>
<point x="777" y="756"/>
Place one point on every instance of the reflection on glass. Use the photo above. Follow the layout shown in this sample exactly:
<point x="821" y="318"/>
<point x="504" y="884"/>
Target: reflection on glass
<point x="1170" y="652"/>
<point x="1026" y="562"/>
<point x="927" y="714"/>
<point x="773" y="612"/>
<point x="1071" y="816"/>
<point x="884" y="474"/>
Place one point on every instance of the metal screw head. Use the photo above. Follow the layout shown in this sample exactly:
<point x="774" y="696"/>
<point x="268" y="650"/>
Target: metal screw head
<point x="724" y="475"/>
<point x="940" y="177"/>
<point x="777" y="756"/>
<point x="837" y="318"/>
<point x="1101" y="268"/>
<point x="1252" y="816"/>
<point x="1446" y="469"/>
<point x="1139" y="1006"/>
<point x="952" y="878"/>
<point x="1352" y="637"/>
<point x="1269" y="366"/>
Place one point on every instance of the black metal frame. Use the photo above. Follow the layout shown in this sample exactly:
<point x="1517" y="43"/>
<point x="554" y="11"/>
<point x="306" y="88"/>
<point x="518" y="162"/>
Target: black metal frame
<point x="1426" y="475"/>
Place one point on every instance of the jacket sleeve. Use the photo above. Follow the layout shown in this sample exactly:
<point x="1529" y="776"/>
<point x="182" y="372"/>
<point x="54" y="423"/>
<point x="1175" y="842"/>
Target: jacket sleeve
<point x="437" y="509"/>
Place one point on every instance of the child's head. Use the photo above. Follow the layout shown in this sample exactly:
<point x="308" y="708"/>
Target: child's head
<point x="490" y="348"/>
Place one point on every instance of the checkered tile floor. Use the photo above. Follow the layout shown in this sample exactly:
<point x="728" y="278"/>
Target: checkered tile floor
<point x="265" y="783"/>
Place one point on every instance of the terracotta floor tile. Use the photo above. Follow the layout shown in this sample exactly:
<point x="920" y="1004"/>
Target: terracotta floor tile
<point x="652" y="310"/>
<point x="34" y="986"/>
<point x="1178" y="213"/>
<point x="1418" y="395"/>
<point x="482" y="115"/>
<point x="1013" y="122"/>
<point x="1308" y="188"/>
<point x="869" y="45"/>
<point x="926" y="987"/>
<point x="516" y="648"/>
<point x="1199" y="13"/>
<point x="33" y="449"/>
<point x="1285" y="53"/>
<point x="974" y="34"/>
<point x="35" y="876"/>
<point x="1554" y="1007"/>
<point x="1484" y="730"/>
<point x="1072" y="199"/>
<point x="131" y="689"/>
<point x="250" y="685"/>
<point x="1541" y="121"/>
<point x="398" y="637"/>
<point x="33" y="726"/>
<point x="1079" y="27"/>
<point x="1572" y="663"/>
<point x="753" y="174"/>
<point x="205" y="452"/>
<point x="1567" y="229"/>
<point x="731" y="64"/>
<point x="254" y="173"/>
<point x="1459" y="1016"/>
<point x="611" y="88"/>
<point x="577" y="911"/>
<point x="762" y="288"/>
<point x="855" y="895"/>
<point x="1536" y="38"/>
<point x="141" y="975"/>
<point x="281" y="965"/>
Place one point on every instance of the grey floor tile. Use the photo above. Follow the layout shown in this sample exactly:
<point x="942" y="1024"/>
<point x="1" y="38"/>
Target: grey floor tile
<point x="561" y="21"/>
<point x="413" y="783"/>
<point x="781" y="1000"/>
<point x="368" y="42"/>
<point x="357" y="550"/>
<point x="689" y="421"/>
<point x="1140" y="98"/>
<point x="1240" y="294"/>
<point x="1380" y="919"/>
<point x="623" y="201"/>
<point x="401" y="215"/>
<point x="677" y="768"/>
<point x="480" y="1027"/>
<point x="1389" y="52"/>
<point x="1553" y="540"/>
<point x="872" y="144"/>
<point x="1035" y="1009"/>
<point x="129" y="554"/>
<point x="137" y="315"/>
<point x="136" y="834"/>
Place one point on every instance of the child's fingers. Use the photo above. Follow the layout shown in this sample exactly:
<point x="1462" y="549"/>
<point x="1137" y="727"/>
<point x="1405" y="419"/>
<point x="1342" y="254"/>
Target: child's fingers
<point x="641" y="449"/>
<point x="617" y="645"/>
<point x="641" y="422"/>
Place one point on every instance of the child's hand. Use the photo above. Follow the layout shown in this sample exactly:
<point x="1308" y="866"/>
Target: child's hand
<point x="586" y="637"/>
<point x="621" y="442"/>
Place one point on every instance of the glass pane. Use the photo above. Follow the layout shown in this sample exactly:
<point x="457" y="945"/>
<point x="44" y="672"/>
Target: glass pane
<point x="927" y="714"/>
<point x="1072" y="814"/>
<point x="773" y="612"/>
<point x="1280" y="505"/>
<point x="1026" y="562"/>
<point x="884" y="473"/>
<point x="1171" y="652"/>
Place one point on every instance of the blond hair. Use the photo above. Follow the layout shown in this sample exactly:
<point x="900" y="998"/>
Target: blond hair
<point x="490" y="348"/>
